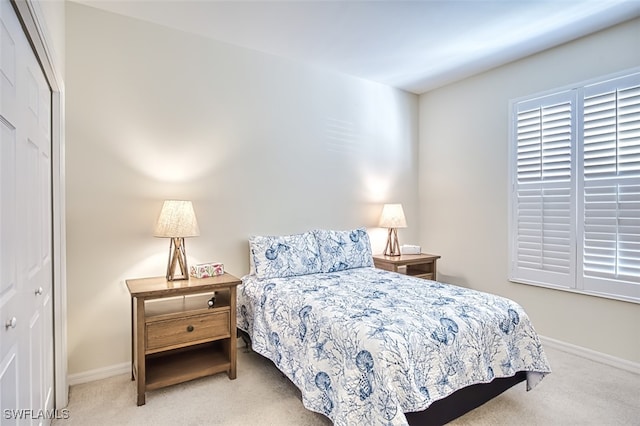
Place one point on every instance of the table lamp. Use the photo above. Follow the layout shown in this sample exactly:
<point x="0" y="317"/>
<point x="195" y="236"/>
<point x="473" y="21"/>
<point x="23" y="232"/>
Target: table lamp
<point x="392" y="217"/>
<point x="177" y="221"/>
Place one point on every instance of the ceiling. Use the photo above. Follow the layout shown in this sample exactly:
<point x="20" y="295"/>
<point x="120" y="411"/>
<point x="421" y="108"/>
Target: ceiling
<point x="412" y="45"/>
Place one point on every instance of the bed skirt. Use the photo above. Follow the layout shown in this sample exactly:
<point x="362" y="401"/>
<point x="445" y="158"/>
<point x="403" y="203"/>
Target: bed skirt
<point x="463" y="400"/>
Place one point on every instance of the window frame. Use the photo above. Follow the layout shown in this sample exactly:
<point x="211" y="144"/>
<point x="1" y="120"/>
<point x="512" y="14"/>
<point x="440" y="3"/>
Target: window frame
<point x="574" y="280"/>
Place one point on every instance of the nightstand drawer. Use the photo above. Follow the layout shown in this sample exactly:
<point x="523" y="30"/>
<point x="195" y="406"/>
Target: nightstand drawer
<point x="174" y="333"/>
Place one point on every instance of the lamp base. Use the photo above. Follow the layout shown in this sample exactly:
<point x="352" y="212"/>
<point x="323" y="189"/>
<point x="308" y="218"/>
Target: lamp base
<point x="392" y="248"/>
<point x="177" y="257"/>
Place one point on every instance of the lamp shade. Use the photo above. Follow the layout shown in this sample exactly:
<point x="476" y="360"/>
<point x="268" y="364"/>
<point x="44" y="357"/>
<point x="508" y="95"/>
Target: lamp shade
<point x="392" y="216"/>
<point x="177" y="219"/>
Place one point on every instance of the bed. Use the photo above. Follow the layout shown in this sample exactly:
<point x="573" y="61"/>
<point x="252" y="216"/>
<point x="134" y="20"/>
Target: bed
<point x="367" y="346"/>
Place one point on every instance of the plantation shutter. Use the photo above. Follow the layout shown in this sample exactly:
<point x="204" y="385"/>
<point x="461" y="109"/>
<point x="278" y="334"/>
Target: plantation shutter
<point x="610" y="187"/>
<point x="543" y="208"/>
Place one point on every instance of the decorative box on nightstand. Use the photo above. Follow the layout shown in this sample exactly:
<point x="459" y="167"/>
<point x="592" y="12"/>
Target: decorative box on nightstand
<point x="421" y="265"/>
<point x="176" y="336"/>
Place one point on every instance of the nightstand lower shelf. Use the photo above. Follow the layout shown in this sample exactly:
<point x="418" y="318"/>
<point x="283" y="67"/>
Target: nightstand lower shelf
<point x="181" y="365"/>
<point x="425" y="270"/>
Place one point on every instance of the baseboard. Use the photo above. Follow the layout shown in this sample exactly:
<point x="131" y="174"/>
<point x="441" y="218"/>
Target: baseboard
<point x="99" y="373"/>
<point x="623" y="364"/>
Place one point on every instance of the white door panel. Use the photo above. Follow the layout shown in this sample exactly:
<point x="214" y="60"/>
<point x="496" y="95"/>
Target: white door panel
<point x="11" y="316"/>
<point x="8" y="104"/>
<point x="26" y="345"/>
<point x="35" y="363"/>
<point x="9" y="386"/>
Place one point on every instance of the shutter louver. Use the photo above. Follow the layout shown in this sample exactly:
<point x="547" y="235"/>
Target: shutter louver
<point x="543" y="196"/>
<point x="611" y="235"/>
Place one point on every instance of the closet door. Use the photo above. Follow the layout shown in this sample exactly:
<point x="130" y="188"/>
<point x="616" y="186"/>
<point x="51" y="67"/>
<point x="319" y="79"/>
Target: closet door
<point x="26" y="331"/>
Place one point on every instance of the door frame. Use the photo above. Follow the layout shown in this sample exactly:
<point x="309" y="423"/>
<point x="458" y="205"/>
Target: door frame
<point x="31" y="17"/>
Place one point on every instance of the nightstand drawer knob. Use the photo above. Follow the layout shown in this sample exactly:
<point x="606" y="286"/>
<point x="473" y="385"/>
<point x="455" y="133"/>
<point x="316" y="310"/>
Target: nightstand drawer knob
<point x="190" y="328"/>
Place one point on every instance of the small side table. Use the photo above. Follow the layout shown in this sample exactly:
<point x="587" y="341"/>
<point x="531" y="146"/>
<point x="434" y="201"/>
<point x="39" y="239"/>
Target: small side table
<point x="176" y="336"/>
<point x="421" y="265"/>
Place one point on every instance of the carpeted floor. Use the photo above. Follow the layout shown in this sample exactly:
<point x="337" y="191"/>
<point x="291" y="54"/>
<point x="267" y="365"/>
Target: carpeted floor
<point x="578" y="392"/>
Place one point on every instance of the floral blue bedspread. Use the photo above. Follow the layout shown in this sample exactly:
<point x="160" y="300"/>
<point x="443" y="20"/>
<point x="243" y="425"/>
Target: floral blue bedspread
<point x="365" y="345"/>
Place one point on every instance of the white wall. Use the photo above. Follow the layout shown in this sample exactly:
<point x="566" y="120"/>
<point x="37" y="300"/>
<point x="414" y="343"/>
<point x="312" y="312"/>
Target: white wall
<point x="463" y="186"/>
<point x="260" y="144"/>
<point x="53" y="13"/>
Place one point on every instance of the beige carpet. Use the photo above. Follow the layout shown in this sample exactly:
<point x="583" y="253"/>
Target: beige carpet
<point x="578" y="392"/>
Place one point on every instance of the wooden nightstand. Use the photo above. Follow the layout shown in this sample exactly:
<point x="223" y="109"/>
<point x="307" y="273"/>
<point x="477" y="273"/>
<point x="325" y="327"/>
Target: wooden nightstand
<point x="421" y="265"/>
<point x="175" y="336"/>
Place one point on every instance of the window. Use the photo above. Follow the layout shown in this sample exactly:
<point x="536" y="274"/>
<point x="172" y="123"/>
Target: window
<point x="575" y="189"/>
